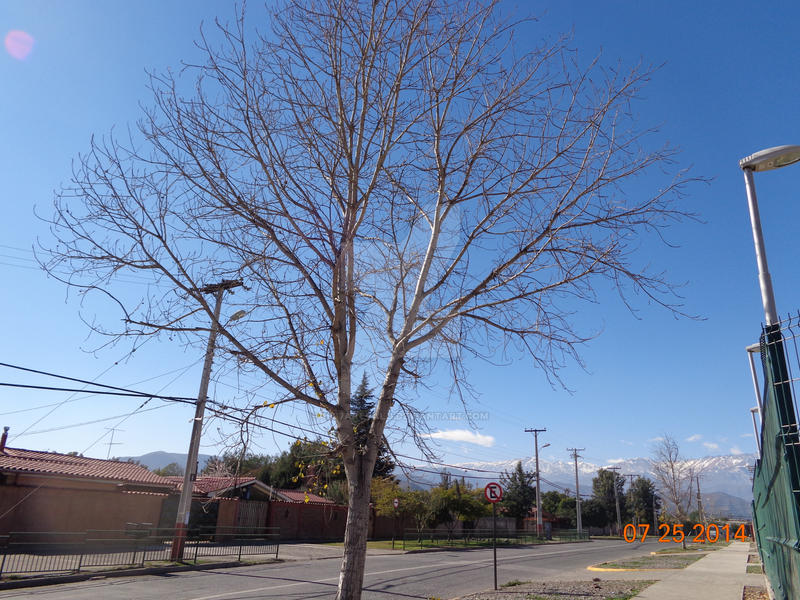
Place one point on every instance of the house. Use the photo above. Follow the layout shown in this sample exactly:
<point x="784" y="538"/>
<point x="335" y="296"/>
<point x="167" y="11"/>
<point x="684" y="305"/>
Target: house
<point x="246" y="503"/>
<point x="48" y="491"/>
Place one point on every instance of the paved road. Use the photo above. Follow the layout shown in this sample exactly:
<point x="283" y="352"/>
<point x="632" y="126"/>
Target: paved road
<point x="443" y="574"/>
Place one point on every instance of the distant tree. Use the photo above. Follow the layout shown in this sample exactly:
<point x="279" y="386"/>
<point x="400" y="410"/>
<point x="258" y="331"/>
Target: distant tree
<point x="519" y="493"/>
<point x="216" y="467"/>
<point x="566" y="510"/>
<point x="550" y="502"/>
<point x="603" y="490"/>
<point x="170" y="470"/>
<point x="420" y="508"/>
<point x="232" y="464"/>
<point x="639" y="500"/>
<point x="593" y="513"/>
<point x="362" y="409"/>
<point x="456" y="503"/>
<point x="674" y="477"/>
<point x="310" y="465"/>
<point x="383" y="492"/>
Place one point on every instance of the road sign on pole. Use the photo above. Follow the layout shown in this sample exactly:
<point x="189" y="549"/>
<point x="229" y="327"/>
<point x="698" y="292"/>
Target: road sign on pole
<point x="493" y="492"/>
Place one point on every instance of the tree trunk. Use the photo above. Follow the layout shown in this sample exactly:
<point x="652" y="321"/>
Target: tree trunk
<point x="351" y="576"/>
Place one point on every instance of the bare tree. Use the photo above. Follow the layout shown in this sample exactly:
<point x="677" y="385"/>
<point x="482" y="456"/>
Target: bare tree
<point x="399" y="183"/>
<point x="674" y="476"/>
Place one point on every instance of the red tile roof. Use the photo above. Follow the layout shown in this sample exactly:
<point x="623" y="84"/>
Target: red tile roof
<point x="300" y="496"/>
<point x="17" y="460"/>
<point x="208" y="485"/>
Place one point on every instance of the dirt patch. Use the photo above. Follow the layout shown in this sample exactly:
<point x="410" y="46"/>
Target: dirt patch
<point x="654" y="561"/>
<point x="752" y="592"/>
<point x="559" y="590"/>
<point x="754" y="558"/>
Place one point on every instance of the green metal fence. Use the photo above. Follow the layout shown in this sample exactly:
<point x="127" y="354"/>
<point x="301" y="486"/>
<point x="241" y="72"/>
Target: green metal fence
<point x="776" y="479"/>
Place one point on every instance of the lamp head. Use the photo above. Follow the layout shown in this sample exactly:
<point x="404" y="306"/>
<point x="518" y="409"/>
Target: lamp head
<point x="771" y="158"/>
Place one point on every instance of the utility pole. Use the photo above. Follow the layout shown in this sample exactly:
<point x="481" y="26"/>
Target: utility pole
<point x="111" y="441"/>
<point x="630" y="487"/>
<point x="190" y="473"/>
<point x="655" y="515"/>
<point x="575" y="456"/>
<point x="616" y="499"/>
<point x="535" y="433"/>
<point x="700" y="503"/>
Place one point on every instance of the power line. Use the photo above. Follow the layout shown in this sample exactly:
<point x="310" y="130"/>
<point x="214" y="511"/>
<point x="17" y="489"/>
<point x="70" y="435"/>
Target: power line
<point x="72" y="425"/>
<point x="127" y="391"/>
<point x="90" y="395"/>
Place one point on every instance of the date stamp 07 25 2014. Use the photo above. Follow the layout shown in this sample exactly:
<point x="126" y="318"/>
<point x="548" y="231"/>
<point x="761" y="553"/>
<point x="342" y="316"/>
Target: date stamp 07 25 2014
<point x="698" y="534"/>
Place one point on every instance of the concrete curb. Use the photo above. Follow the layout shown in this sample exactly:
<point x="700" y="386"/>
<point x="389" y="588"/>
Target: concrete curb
<point x="680" y="553"/>
<point x="609" y="570"/>
<point x="57" y="579"/>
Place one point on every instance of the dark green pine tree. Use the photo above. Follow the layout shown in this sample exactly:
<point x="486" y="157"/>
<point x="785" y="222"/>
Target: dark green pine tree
<point x="361" y="408"/>
<point x="520" y="493"/>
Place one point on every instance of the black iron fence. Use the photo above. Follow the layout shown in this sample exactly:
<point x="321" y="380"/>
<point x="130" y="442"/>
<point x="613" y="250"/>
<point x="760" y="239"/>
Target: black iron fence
<point x="71" y="552"/>
<point x="431" y="538"/>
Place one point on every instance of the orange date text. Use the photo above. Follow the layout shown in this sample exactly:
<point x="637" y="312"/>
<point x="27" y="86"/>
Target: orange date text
<point x="697" y="534"/>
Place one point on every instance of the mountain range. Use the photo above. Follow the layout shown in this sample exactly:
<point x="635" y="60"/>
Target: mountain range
<point x="160" y="459"/>
<point x="725" y="482"/>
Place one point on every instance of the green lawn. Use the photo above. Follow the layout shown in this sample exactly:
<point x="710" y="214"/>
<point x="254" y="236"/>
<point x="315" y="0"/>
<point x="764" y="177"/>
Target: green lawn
<point x="676" y="549"/>
<point x="754" y="569"/>
<point x="657" y="561"/>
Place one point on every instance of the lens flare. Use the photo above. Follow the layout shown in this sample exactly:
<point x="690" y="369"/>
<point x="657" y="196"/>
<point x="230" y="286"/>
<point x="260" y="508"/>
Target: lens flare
<point x="19" y="44"/>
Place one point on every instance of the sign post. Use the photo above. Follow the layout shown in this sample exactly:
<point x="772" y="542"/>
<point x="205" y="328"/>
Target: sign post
<point x="493" y="492"/>
<point x="396" y="503"/>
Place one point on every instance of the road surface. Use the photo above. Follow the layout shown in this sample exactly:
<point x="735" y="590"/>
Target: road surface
<point x="445" y="574"/>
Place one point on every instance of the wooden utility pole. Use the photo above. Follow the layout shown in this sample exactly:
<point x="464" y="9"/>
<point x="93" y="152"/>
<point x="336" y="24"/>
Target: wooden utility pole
<point x="535" y="433"/>
<point x="703" y="519"/>
<point x="190" y="473"/>
<point x="576" y="456"/>
<point x="616" y="499"/>
<point x="630" y="487"/>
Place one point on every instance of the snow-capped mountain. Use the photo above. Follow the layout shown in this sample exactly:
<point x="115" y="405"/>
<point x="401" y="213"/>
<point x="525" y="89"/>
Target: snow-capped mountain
<point x="725" y="474"/>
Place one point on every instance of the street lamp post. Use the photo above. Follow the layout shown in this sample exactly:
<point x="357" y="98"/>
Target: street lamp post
<point x="764" y="160"/>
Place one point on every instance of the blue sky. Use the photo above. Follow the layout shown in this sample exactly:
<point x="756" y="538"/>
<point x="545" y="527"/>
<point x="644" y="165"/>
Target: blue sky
<point x="727" y="86"/>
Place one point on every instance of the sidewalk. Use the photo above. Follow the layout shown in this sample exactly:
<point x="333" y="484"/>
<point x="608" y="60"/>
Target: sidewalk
<point x="719" y="576"/>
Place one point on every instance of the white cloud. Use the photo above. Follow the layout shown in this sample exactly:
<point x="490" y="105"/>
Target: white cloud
<point x="614" y="461"/>
<point x="711" y="445"/>
<point x="694" y="438"/>
<point x="626" y="442"/>
<point x="746" y="435"/>
<point x="736" y="450"/>
<point x="656" y="439"/>
<point x="462" y="435"/>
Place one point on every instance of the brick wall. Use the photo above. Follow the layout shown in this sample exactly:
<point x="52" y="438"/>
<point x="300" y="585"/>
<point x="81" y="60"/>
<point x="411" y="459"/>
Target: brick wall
<point x="54" y="504"/>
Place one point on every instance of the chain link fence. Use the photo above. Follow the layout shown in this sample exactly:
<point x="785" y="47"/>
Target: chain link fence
<point x="776" y="477"/>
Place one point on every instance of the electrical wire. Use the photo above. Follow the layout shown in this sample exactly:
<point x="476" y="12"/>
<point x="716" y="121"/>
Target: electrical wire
<point x="225" y="416"/>
<point x="89" y="396"/>
<point x="126" y="391"/>
<point x="71" y="425"/>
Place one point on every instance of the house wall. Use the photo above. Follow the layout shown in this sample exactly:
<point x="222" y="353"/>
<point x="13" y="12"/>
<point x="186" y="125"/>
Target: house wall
<point x="300" y="521"/>
<point x="60" y="504"/>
